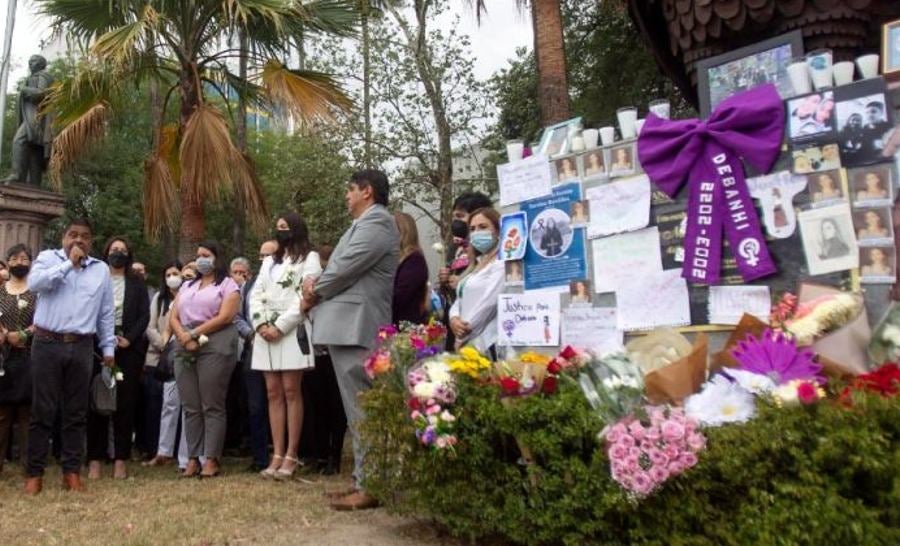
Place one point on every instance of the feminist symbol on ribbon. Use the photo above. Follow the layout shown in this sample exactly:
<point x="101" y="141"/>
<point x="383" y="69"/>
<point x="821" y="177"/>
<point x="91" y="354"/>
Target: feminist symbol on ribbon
<point x="707" y="155"/>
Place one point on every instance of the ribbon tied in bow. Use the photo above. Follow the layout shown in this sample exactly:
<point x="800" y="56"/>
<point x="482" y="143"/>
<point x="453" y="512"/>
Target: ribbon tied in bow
<point x="707" y="155"/>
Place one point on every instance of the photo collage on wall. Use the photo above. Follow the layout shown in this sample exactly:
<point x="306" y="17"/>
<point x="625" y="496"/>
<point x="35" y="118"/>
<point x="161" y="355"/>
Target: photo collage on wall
<point x="837" y="137"/>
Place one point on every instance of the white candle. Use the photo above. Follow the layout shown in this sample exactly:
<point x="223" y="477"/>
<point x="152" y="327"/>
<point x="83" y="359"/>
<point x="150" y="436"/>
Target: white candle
<point x="626" y="118"/>
<point x="661" y="108"/>
<point x="577" y="143"/>
<point x="514" y="150"/>
<point x="820" y="68"/>
<point x="607" y="135"/>
<point x="798" y="72"/>
<point x="638" y="125"/>
<point x="843" y="73"/>
<point x="868" y="65"/>
<point x="590" y="138"/>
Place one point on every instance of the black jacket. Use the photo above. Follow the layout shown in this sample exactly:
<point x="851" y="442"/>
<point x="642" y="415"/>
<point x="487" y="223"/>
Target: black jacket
<point x="135" y="313"/>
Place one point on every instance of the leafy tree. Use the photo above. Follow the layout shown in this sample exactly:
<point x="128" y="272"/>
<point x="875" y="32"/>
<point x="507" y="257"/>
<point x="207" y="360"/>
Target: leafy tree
<point x="178" y="43"/>
<point x="427" y="105"/>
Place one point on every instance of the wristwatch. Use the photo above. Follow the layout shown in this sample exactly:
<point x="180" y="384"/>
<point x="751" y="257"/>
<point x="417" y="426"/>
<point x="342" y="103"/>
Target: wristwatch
<point x="194" y="335"/>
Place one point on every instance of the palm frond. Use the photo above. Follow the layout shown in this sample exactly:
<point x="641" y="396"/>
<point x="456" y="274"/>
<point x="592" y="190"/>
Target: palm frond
<point x="243" y="11"/>
<point x="335" y="17"/>
<point x="312" y="96"/>
<point x="248" y="190"/>
<point x="160" y="198"/>
<point x="206" y="154"/>
<point x="90" y="84"/>
<point x="120" y="44"/>
<point x="74" y="139"/>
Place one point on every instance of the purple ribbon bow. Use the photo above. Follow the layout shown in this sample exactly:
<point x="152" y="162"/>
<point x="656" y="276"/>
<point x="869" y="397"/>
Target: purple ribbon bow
<point x="707" y="154"/>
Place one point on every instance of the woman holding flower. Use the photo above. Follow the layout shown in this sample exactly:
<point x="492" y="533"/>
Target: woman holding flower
<point x="132" y="314"/>
<point x="202" y="320"/>
<point x="275" y="315"/>
<point x="473" y="317"/>
<point x="16" y="314"/>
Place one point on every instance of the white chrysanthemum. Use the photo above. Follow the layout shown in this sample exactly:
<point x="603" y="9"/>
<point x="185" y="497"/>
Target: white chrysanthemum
<point x="425" y="389"/>
<point x="752" y="382"/>
<point x="438" y="371"/>
<point x="22" y="303"/>
<point x="438" y="247"/>
<point x="891" y="334"/>
<point x="720" y="402"/>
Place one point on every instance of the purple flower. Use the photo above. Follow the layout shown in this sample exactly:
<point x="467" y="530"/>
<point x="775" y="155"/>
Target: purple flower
<point x="777" y="357"/>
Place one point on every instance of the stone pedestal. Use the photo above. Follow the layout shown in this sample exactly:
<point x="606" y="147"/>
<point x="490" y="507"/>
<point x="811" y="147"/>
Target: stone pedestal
<point x="24" y="214"/>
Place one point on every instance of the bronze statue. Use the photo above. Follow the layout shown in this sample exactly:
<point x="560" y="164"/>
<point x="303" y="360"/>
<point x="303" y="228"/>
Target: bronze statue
<point x="31" y="144"/>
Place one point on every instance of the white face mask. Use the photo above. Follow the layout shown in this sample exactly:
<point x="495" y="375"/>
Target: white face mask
<point x="173" y="281"/>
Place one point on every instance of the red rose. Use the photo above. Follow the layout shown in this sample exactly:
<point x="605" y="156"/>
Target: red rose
<point x="413" y="404"/>
<point x="549" y="385"/>
<point x="510" y="385"/>
<point x="554" y="367"/>
<point x="568" y="353"/>
<point x="807" y="393"/>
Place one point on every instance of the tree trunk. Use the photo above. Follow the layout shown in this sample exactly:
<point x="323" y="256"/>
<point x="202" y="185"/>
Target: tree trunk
<point x="193" y="223"/>
<point x="367" y="83"/>
<point x="550" y="58"/>
<point x="240" y="219"/>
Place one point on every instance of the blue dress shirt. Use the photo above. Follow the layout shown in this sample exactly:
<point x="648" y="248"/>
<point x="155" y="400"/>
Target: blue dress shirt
<point x="74" y="301"/>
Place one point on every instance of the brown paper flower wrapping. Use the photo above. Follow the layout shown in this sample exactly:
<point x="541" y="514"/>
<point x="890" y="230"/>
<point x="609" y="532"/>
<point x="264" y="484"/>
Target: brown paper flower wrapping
<point x="675" y="382"/>
<point x="843" y="351"/>
<point x="748" y="326"/>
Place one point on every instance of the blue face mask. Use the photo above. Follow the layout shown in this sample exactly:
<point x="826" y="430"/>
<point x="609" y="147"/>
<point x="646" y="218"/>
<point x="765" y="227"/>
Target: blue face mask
<point x="482" y="241"/>
<point x="205" y="265"/>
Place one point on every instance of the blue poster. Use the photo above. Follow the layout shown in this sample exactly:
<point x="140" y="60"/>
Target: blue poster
<point x="556" y="249"/>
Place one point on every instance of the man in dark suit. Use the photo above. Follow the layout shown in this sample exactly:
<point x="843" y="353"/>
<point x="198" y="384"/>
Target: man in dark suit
<point x="351" y="300"/>
<point x="254" y="384"/>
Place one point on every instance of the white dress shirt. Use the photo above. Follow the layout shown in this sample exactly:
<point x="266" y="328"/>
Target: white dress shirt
<point x="476" y="303"/>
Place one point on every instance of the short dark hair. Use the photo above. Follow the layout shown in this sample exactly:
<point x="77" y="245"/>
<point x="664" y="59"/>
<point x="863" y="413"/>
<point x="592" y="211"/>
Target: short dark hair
<point x="79" y="221"/>
<point x="375" y="179"/>
<point x="471" y="201"/>
<point x="18" y="249"/>
<point x="876" y="104"/>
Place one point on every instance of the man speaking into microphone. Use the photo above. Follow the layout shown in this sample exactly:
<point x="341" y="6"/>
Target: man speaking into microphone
<point x="75" y="303"/>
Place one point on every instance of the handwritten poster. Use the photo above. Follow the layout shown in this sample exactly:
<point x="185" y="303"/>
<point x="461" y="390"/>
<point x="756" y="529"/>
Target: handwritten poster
<point x="727" y="304"/>
<point x="593" y="328"/>
<point x="513" y="236"/>
<point x="530" y="319"/>
<point x="644" y="302"/>
<point x="620" y="206"/>
<point x="522" y="180"/>
<point x="556" y="249"/>
<point x="626" y="256"/>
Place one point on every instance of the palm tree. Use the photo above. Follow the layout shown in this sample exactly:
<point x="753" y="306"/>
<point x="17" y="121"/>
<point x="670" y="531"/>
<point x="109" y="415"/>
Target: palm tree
<point x="549" y="55"/>
<point x="177" y="43"/>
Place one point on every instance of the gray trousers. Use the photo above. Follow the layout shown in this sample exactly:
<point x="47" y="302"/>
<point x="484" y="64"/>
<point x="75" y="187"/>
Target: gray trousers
<point x="203" y="388"/>
<point x="352" y="380"/>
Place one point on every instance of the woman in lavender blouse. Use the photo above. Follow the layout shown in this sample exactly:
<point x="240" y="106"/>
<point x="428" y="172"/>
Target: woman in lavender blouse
<point x="202" y="322"/>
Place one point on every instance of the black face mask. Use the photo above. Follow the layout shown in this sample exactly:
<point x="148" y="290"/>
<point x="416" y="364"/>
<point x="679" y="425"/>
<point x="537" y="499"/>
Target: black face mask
<point x="19" y="271"/>
<point x="284" y="237"/>
<point x="459" y="229"/>
<point x="117" y="259"/>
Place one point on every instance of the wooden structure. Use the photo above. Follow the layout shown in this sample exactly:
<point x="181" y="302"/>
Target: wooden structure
<point x="683" y="32"/>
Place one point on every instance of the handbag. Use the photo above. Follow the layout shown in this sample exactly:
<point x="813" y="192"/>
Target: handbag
<point x="103" y="393"/>
<point x="165" y="369"/>
<point x="303" y="339"/>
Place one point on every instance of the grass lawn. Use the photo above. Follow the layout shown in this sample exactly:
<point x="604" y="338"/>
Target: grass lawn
<point x="154" y="507"/>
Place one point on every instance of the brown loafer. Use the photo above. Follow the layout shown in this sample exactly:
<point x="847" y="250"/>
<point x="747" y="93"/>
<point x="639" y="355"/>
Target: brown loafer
<point x="359" y="500"/>
<point x="159" y="460"/>
<point x="33" y="485"/>
<point x="72" y="482"/>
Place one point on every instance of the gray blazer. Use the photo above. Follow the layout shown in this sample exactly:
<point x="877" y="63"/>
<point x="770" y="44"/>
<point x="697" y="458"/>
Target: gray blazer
<point x="357" y="286"/>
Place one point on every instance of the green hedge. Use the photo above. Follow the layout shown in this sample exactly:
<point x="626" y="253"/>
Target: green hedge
<point x="806" y="475"/>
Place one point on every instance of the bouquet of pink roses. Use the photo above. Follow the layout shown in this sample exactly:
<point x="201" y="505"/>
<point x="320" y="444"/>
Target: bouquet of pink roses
<point x="643" y="454"/>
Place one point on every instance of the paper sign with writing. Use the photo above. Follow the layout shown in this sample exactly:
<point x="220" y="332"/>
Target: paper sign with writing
<point x="619" y="206"/>
<point x="727" y="304"/>
<point x="644" y="302"/>
<point x="530" y="319"/>
<point x="593" y="328"/>
<point x="522" y="180"/>
<point x="626" y="256"/>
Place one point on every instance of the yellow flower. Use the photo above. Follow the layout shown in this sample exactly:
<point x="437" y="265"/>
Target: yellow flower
<point x="471" y="363"/>
<point x="532" y="357"/>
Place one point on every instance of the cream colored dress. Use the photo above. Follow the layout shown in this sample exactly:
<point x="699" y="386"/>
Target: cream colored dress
<point x="275" y="299"/>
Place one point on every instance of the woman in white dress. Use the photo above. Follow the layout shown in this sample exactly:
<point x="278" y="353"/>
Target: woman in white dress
<point x="275" y="315"/>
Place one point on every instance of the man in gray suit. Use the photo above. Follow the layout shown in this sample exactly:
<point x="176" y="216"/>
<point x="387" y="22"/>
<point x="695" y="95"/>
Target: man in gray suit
<point x="351" y="300"/>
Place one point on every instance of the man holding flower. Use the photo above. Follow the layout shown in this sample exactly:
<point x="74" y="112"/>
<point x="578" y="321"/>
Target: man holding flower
<point x="75" y="303"/>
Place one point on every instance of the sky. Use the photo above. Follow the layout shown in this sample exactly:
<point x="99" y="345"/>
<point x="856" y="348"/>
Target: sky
<point x="494" y="42"/>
